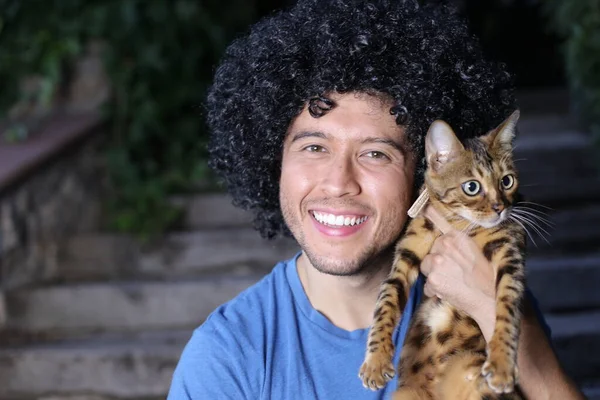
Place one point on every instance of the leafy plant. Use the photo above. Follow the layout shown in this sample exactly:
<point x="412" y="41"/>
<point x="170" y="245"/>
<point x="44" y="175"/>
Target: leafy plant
<point x="578" y="23"/>
<point x="160" y="56"/>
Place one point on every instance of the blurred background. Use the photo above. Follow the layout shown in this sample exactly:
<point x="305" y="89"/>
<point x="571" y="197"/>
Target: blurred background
<point x="116" y="240"/>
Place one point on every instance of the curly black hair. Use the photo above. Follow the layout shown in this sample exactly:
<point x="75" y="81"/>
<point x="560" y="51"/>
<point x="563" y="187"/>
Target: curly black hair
<point x="423" y="57"/>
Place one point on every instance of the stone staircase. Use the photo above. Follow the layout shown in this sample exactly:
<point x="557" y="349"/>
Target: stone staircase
<point x="114" y="324"/>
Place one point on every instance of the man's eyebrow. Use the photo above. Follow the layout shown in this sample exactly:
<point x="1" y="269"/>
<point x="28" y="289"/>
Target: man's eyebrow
<point x="397" y="145"/>
<point x="305" y="134"/>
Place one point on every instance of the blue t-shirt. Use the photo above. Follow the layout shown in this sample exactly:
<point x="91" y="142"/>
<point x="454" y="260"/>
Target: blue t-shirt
<point x="270" y="343"/>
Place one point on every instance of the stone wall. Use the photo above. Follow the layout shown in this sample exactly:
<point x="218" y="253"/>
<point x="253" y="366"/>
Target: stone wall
<point x="58" y="198"/>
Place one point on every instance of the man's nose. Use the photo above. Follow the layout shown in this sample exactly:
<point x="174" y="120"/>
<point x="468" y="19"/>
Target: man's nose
<point x="341" y="179"/>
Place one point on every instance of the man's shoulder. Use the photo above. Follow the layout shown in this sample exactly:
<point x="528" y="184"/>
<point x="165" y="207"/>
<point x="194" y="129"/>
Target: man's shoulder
<point x="251" y="310"/>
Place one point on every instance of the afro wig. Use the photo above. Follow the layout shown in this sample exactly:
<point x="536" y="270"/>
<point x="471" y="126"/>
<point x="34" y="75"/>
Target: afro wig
<point x="422" y="57"/>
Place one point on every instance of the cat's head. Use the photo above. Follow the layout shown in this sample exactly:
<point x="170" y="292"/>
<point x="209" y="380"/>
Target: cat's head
<point x="476" y="180"/>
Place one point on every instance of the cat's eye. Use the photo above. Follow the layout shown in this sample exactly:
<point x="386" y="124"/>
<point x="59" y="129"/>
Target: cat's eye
<point x="507" y="181"/>
<point x="472" y="188"/>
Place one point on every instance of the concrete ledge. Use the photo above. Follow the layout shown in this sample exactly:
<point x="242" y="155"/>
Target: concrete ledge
<point x="178" y="254"/>
<point x="19" y="160"/>
<point x="574" y="230"/>
<point x="135" y="367"/>
<point x="73" y="310"/>
<point x="142" y="365"/>
<point x="567" y="283"/>
<point x="50" y="188"/>
<point x="576" y="340"/>
<point x="212" y="210"/>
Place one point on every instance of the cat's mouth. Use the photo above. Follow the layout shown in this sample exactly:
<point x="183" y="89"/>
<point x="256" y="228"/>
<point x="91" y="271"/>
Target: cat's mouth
<point x="484" y="222"/>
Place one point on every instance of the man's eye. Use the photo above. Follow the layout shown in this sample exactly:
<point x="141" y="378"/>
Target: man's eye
<point x="377" y="155"/>
<point x="314" y="148"/>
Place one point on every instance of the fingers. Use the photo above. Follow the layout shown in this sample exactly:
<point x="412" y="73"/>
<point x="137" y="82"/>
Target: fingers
<point x="439" y="271"/>
<point x="431" y="261"/>
<point x="457" y="247"/>
<point x="428" y="291"/>
<point x="438" y="283"/>
<point x="438" y="220"/>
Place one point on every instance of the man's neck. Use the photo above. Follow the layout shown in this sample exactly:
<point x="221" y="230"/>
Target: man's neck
<point x="347" y="301"/>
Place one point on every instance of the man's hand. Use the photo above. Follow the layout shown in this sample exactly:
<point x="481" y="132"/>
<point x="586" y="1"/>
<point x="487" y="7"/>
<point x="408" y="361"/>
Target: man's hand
<point x="458" y="272"/>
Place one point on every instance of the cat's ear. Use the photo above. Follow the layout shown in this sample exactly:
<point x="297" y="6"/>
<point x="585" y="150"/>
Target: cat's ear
<point x="441" y="145"/>
<point x="502" y="136"/>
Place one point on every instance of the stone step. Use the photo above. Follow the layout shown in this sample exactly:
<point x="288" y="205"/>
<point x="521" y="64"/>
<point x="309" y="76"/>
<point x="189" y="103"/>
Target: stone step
<point x="560" y="284"/>
<point x="211" y="210"/>
<point x="543" y="101"/>
<point x="591" y="390"/>
<point x="565" y="283"/>
<point x="569" y="231"/>
<point x="81" y="309"/>
<point x="557" y="167"/>
<point x="139" y="366"/>
<point x="239" y="250"/>
<point x="576" y="340"/>
<point x="194" y="253"/>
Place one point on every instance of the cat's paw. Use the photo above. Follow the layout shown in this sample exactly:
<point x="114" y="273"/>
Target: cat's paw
<point x="500" y="371"/>
<point x="377" y="370"/>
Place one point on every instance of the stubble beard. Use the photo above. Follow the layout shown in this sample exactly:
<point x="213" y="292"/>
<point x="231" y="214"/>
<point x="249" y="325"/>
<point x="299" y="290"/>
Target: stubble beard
<point x="370" y="260"/>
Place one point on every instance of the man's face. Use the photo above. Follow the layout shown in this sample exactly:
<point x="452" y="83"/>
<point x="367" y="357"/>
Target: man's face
<point x="346" y="183"/>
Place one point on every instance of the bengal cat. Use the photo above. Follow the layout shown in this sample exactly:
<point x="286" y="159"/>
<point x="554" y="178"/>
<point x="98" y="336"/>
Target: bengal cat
<point x="445" y="356"/>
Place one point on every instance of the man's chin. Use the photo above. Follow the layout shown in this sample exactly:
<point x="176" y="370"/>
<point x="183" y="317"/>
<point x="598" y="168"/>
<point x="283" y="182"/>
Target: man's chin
<point x="336" y="266"/>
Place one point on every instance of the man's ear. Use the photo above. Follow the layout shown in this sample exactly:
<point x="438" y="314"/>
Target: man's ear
<point x="502" y="136"/>
<point x="441" y="145"/>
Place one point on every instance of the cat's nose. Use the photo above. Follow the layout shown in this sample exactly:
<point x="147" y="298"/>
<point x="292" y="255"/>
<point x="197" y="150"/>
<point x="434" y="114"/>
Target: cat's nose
<point x="498" y="208"/>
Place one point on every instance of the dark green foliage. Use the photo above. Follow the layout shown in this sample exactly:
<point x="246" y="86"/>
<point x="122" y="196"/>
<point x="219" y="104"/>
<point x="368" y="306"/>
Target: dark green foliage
<point x="160" y="58"/>
<point x="578" y="23"/>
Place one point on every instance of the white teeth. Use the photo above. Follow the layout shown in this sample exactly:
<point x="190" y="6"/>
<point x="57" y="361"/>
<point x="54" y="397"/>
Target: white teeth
<point x="339" y="220"/>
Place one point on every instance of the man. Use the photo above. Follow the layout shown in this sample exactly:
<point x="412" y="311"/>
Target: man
<point x="318" y="118"/>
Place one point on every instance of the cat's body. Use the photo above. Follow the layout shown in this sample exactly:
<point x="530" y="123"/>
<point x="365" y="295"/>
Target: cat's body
<point x="445" y="355"/>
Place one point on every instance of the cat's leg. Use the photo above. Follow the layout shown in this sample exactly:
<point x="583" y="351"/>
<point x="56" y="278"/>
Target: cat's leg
<point x="418" y="366"/>
<point x="378" y="368"/>
<point x="462" y="378"/>
<point x="500" y="368"/>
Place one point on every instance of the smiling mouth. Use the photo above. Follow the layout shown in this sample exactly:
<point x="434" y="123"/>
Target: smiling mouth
<point x="338" y="221"/>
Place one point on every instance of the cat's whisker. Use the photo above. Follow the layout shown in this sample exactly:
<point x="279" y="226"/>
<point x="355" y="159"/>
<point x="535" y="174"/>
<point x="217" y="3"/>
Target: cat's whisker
<point x="468" y="228"/>
<point x="534" y="223"/>
<point x="538" y="219"/>
<point x="451" y="215"/>
<point x="538" y="229"/>
<point x="524" y="224"/>
<point x="531" y="209"/>
<point x="531" y="212"/>
<point x="526" y="221"/>
<point x="512" y="217"/>
<point x="535" y="204"/>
